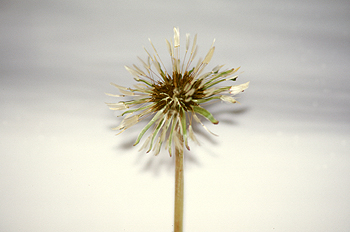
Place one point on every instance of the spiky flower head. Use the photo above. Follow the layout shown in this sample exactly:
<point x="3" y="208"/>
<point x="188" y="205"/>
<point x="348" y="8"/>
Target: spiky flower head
<point x="173" y="99"/>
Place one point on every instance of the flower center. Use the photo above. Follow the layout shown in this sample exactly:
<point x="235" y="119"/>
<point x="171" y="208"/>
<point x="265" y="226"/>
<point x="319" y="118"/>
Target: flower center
<point x="174" y="93"/>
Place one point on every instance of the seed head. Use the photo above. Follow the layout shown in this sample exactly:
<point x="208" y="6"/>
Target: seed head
<point x="173" y="98"/>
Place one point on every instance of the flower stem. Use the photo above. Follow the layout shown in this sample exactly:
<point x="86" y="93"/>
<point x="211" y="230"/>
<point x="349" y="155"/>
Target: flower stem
<point x="179" y="190"/>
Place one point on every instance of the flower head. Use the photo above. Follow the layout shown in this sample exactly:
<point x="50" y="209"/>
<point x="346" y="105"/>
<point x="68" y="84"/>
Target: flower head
<point x="173" y="99"/>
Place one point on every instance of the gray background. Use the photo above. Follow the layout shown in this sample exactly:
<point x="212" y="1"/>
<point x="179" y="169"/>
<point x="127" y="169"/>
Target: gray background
<point x="282" y="158"/>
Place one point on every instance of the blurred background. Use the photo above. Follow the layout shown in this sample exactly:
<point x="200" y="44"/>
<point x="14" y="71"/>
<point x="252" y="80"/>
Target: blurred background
<point x="282" y="158"/>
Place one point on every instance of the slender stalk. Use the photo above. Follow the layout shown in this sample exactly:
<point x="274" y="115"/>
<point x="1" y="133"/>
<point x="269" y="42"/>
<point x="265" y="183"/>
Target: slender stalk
<point x="179" y="190"/>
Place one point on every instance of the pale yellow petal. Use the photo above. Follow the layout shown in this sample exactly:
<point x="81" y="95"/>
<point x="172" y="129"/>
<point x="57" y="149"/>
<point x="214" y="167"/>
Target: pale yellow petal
<point x="132" y="71"/>
<point x="194" y="45"/>
<point x="228" y="99"/>
<point x="114" y="95"/>
<point x="187" y="41"/>
<point x="239" y="88"/>
<point x="209" y="55"/>
<point x="117" y="106"/>
<point x="176" y="37"/>
<point x="170" y="49"/>
<point x="192" y="135"/>
<point x="199" y="121"/>
<point x="146" y="143"/>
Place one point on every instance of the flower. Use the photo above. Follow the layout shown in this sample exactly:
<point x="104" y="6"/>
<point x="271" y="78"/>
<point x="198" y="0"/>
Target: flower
<point x="173" y="99"/>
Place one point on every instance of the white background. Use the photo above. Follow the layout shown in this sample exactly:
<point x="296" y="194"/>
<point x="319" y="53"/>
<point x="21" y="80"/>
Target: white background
<point x="282" y="158"/>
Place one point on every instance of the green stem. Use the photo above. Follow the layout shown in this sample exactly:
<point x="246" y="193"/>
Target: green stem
<point x="179" y="190"/>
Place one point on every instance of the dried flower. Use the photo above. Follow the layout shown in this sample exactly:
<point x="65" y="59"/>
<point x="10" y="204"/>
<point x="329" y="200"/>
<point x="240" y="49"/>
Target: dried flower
<point x="173" y="98"/>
